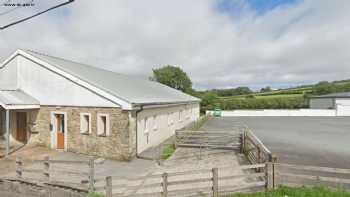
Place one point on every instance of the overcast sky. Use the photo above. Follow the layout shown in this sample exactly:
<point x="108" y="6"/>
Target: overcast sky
<point x="219" y="43"/>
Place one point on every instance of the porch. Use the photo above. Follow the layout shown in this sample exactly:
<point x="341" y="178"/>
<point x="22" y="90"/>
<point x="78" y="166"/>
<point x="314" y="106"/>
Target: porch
<point x="16" y="109"/>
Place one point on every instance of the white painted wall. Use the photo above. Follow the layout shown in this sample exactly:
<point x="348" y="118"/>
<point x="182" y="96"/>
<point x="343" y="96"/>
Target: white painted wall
<point x="8" y="76"/>
<point x="276" y="112"/>
<point x="162" y="123"/>
<point x="53" y="89"/>
<point x="343" y="106"/>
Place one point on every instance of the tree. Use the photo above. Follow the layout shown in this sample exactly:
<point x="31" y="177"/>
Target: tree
<point x="266" y="89"/>
<point x="208" y="100"/>
<point x="323" y="87"/>
<point x="174" y="77"/>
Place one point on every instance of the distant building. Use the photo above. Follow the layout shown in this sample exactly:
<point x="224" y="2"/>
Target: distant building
<point x="74" y="107"/>
<point x="338" y="101"/>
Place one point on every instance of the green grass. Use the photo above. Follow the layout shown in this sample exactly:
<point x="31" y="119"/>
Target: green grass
<point x="296" y="192"/>
<point x="95" y="194"/>
<point x="198" y="124"/>
<point x="168" y="150"/>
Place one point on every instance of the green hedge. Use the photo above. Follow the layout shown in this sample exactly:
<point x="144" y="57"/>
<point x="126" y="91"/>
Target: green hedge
<point x="262" y="103"/>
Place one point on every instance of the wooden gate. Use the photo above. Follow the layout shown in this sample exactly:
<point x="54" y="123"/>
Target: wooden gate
<point x="208" y="139"/>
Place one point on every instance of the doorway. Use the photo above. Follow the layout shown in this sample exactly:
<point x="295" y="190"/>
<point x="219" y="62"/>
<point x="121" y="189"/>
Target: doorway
<point x="21" y="131"/>
<point x="60" y="130"/>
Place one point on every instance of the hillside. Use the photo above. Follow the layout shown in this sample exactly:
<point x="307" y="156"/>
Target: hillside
<point x="288" y="98"/>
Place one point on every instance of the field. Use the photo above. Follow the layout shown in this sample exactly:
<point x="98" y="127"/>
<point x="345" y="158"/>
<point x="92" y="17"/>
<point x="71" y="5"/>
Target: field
<point x="297" y="192"/>
<point x="262" y="96"/>
<point x="289" y="98"/>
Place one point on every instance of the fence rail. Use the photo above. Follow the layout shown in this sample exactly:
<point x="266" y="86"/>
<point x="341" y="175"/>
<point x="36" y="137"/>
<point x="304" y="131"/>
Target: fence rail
<point x="299" y="175"/>
<point x="208" y="139"/>
<point x="51" y="171"/>
<point x="204" y="182"/>
<point x="254" y="149"/>
<point x="263" y="173"/>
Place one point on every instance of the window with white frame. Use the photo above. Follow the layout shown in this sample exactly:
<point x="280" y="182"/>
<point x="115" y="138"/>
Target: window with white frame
<point x="85" y="123"/>
<point x="155" y="123"/>
<point x="103" y="127"/>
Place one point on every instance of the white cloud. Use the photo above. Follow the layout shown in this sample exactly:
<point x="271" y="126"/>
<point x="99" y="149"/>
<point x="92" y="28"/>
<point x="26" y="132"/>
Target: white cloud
<point x="292" y="44"/>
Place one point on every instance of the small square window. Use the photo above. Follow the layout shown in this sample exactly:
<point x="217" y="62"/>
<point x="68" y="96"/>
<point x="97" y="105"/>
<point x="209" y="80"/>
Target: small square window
<point x="85" y="123"/>
<point x="103" y="125"/>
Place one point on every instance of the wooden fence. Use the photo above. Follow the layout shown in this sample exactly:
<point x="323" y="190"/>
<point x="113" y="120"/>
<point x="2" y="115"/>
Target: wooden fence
<point x="255" y="151"/>
<point x="77" y="173"/>
<point x="301" y="175"/>
<point x="207" y="182"/>
<point x="208" y="139"/>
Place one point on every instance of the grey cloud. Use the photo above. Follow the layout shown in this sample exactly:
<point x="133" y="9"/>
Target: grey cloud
<point x="293" y="44"/>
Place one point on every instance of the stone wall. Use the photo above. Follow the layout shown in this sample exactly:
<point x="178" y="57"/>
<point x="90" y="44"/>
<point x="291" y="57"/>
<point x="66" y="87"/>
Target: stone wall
<point x="116" y="146"/>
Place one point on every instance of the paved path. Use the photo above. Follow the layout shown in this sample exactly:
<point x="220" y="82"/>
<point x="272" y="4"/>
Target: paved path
<point x="321" y="141"/>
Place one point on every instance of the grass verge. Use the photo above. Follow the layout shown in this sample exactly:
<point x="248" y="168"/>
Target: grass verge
<point x="296" y="192"/>
<point x="95" y="194"/>
<point x="168" y="150"/>
<point x="198" y="124"/>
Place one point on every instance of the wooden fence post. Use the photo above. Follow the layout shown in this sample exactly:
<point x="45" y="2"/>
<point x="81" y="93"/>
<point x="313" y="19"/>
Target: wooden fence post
<point x="91" y="174"/>
<point x="47" y="168"/>
<point x="269" y="176"/>
<point x="215" y="182"/>
<point x="274" y="160"/>
<point x="165" y="184"/>
<point x="200" y="151"/>
<point x="109" y="192"/>
<point x="259" y="154"/>
<point x="19" y="167"/>
<point x="175" y="143"/>
<point x="242" y="143"/>
<point x="160" y="150"/>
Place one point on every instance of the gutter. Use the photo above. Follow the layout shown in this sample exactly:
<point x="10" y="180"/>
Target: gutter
<point x="156" y="105"/>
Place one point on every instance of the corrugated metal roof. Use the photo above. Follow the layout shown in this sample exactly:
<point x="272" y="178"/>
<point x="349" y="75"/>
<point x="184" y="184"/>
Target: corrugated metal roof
<point x="334" y="95"/>
<point x="131" y="89"/>
<point x="17" y="97"/>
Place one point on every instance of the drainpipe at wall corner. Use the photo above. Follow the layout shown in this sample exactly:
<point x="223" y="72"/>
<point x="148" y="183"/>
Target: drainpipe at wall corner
<point x="137" y="111"/>
<point x="7" y="126"/>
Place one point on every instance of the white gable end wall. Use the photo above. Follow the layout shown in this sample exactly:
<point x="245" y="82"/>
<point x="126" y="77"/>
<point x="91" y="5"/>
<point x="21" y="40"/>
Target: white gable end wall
<point x="8" y="76"/>
<point x="51" y="88"/>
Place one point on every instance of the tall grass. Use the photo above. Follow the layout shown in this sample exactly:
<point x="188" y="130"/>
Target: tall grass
<point x="297" y="192"/>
